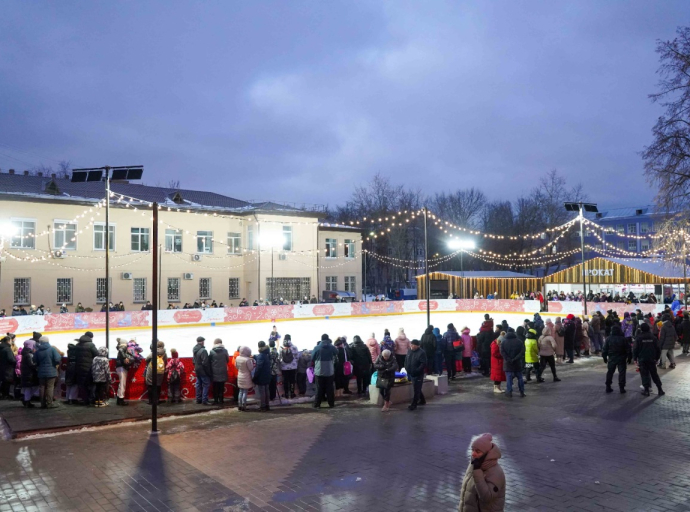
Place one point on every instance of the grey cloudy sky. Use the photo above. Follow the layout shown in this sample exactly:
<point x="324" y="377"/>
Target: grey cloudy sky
<point x="301" y="101"/>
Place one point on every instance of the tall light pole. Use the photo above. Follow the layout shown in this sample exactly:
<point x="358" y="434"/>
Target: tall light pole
<point x="131" y="172"/>
<point x="426" y="267"/>
<point x="462" y="245"/>
<point x="581" y="208"/>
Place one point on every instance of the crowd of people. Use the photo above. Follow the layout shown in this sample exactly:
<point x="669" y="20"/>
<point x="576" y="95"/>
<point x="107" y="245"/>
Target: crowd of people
<point x="501" y="353"/>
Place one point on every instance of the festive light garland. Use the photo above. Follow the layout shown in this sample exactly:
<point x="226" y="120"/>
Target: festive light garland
<point x="414" y="266"/>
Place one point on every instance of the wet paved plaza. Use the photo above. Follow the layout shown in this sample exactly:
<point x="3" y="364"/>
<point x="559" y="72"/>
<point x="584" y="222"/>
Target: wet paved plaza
<point x="566" y="446"/>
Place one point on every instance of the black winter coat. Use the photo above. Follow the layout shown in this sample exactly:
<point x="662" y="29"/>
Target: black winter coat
<point x="386" y="370"/>
<point x="262" y="374"/>
<point x="29" y="369"/>
<point x="512" y="352"/>
<point x="7" y="362"/>
<point x="428" y="344"/>
<point x="667" y="336"/>
<point x="569" y="335"/>
<point x="361" y="357"/>
<point x="484" y="339"/>
<point x="616" y="350"/>
<point x="415" y="362"/>
<point x="85" y="351"/>
<point x="219" y="363"/>
<point x="71" y="371"/>
<point x="685" y="330"/>
<point x="202" y="363"/>
<point x="646" y="347"/>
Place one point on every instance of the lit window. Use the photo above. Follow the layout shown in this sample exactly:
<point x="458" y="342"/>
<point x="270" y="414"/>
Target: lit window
<point x="173" y="240"/>
<point x="234" y="243"/>
<point x="24" y="233"/>
<point x="173" y="289"/>
<point x="99" y="237"/>
<point x="65" y="235"/>
<point x="22" y="291"/>
<point x="139" y="284"/>
<point x="204" y="242"/>
<point x="349" y="248"/>
<point x="205" y="288"/>
<point x="331" y="248"/>
<point x="140" y="239"/>
<point x="64" y="291"/>
<point x="287" y="238"/>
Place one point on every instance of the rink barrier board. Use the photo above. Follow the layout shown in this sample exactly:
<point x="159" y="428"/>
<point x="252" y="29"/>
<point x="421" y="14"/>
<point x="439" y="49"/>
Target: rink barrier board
<point x="128" y="320"/>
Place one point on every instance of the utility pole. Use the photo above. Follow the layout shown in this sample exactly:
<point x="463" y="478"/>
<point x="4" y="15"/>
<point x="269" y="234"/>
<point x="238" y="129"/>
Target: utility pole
<point x="154" y="326"/>
<point x="107" y="257"/>
<point x="582" y="249"/>
<point x="427" y="283"/>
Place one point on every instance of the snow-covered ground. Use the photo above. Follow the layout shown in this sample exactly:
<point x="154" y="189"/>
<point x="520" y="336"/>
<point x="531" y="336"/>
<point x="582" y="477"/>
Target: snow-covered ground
<point x="304" y="333"/>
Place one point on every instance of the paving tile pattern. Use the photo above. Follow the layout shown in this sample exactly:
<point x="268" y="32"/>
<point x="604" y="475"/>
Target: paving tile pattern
<point x="567" y="446"/>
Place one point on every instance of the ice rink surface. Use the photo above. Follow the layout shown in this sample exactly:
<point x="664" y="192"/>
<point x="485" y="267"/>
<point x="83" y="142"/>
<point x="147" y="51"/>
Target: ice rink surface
<point x="304" y="333"/>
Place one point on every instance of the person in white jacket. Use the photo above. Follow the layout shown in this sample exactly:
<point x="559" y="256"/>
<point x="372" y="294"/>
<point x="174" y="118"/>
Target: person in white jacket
<point x="289" y="356"/>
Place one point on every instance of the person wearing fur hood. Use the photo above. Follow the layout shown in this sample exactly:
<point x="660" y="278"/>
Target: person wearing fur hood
<point x="100" y="370"/>
<point x="245" y="364"/>
<point x="547" y="351"/>
<point x="156" y="365"/>
<point x="484" y="485"/>
<point x="122" y="363"/>
<point x="289" y="356"/>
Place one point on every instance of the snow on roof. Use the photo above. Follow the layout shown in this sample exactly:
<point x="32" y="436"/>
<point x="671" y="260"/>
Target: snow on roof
<point x="654" y="266"/>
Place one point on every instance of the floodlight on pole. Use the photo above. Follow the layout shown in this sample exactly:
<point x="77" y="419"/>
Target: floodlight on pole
<point x="130" y="172"/>
<point x="461" y="245"/>
<point x="581" y="208"/>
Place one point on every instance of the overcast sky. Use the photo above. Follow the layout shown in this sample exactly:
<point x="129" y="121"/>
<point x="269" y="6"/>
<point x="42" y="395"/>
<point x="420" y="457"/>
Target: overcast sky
<point x="300" y="101"/>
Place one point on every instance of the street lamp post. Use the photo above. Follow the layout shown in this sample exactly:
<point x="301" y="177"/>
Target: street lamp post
<point x="462" y="245"/>
<point x="581" y="208"/>
<point x="131" y="172"/>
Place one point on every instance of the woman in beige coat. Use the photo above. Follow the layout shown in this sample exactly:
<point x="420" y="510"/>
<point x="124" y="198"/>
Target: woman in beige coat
<point x="484" y="486"/>
<point x="560" y="340"/>
<point x="245" y="365"/>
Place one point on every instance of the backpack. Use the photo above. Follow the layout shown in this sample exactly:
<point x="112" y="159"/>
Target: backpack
<point x="288" y="357"/>
<point x="160" y="365"/>
<point x="174" y="376"/>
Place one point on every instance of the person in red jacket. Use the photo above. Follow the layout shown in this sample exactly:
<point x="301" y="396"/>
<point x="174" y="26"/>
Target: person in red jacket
<point x="497" y="373"/>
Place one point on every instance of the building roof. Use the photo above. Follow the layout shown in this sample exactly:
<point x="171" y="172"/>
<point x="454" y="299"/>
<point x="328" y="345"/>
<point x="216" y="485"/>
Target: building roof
<point x="473" y="274"/>
<point x="652" y="266"/>
<point x="21" y="185"/>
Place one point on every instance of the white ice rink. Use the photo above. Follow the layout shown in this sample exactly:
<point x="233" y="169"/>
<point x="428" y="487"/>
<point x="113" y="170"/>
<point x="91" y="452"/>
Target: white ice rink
<point x="304" y="333"/>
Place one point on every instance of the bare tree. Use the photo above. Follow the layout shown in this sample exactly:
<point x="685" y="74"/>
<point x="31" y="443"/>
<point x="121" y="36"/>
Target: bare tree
<point x="667" y="158"/>
<point x="174" y="184"/>
<point x="462" y="207"/>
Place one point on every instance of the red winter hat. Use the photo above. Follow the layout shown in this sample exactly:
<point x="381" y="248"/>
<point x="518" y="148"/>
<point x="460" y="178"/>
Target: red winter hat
<point x="570" y="317"/>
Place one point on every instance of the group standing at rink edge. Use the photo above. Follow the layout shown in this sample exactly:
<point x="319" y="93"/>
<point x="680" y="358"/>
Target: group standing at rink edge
<point x="500" y="352"/>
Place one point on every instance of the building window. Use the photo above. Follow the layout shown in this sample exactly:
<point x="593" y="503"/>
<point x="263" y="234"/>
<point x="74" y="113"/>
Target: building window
<point x="349" y="248"/>
<point x="173" y="289"/>
<point x="331" y="248"/>
<point x="234" y="288"/>
<point x="64" y="291"/>
<point x="598" y="247"/>
<point x="289" y="288"/>
<point x="287" y="238"/>
<point x="99" y="237"/>
<point x="100" y="290"/>
<point x="350" y="283"/>
<point x="632" y="229"/>
<point x="234" y="243"/>
<point x="644" y="227"/>
<point x="331" y="283"/>
<point x="140" y="239"/>
<point x="632" y="245"/>
<point x="204" y="242"/>
<point x="139" y="284"/>
<point x="205" y="288"/>
<point x="22" y="291"/>
<point x="173" y="240"/>
<point x="65" y="235"/>
<point x="250" y="238"/>
<point x="620" y="245"/>
<point x="24" y="233"/>
<point x="620" y="228"/>
<point x="644" y="245"/>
